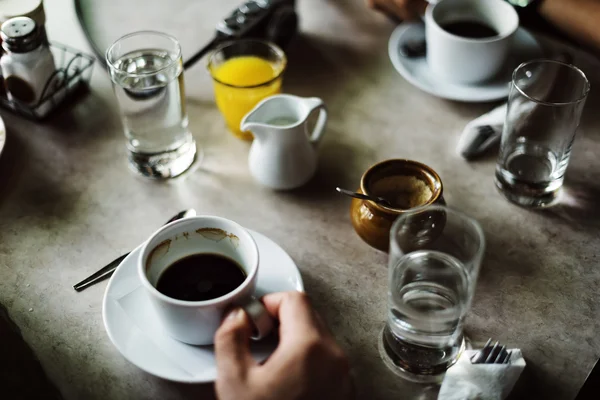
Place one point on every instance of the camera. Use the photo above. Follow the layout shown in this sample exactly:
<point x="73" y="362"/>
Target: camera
<point x="273" y="20"/>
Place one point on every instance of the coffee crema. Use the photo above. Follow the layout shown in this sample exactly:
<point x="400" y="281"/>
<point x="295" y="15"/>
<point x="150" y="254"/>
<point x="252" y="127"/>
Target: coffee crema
<point x="201" y="277"/>
<point x="470" y="29"/>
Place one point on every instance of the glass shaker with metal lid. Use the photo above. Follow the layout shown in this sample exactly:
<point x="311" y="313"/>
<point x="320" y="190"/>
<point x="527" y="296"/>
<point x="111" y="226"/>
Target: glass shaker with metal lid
<point x="33" y="9"/>
<point x="27" y="64"/>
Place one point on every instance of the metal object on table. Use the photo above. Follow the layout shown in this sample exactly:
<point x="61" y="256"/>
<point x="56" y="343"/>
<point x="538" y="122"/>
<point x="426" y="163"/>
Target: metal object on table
<point x="73" y="72"/>
<point x="109" y="269"/>
<point x="492" y="354"/>
<point x="350" y="193"/>
<point x="273" y="20"/>
<point x="591" y="387"/>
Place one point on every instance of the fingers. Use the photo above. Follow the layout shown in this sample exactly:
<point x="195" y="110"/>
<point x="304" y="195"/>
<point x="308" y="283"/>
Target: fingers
<point x="386" y="7"/>
<point x="294" y="312"/>
<point x="232" y="349"/>
<point x="407" y="10"/>
<point x="420" y="7"/>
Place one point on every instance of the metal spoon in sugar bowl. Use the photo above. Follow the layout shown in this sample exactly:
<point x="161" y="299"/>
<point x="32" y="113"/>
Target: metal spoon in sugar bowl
<point x="378" y="200"/>
<point x="406" y="184"/>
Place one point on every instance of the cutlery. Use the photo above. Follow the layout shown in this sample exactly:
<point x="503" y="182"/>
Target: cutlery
<point x="378" y="200"/>
<point x="495" y="354"/>
<point x="109" y="269"/>
<point x="591" y="386"/>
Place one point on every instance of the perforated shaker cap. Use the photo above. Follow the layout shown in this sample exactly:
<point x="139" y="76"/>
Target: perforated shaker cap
<point x="33" y="9"/>
<point x="20" y="35"/>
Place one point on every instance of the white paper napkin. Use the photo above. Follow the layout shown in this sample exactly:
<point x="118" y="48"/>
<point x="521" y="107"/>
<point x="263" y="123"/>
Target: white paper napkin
<point x="473" y="141"/>
<point x="466" y="381"/>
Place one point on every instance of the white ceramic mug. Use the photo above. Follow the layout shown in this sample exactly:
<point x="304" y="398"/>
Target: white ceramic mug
<point x="467" y="60"/>
<point x="195" y="322"/>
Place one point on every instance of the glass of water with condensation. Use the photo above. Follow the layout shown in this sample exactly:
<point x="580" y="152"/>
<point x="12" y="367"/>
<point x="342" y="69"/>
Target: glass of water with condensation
<point x="147" y="74"/>
<point x="434" y="259"/>
<point x="544" y="109"/>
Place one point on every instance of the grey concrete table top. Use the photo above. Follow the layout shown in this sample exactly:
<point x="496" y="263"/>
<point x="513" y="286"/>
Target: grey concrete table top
<point x="68" y="205"/>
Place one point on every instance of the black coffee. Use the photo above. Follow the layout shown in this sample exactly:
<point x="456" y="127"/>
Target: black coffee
<point x="201" y="277"/>
<point x="470" y="29"/>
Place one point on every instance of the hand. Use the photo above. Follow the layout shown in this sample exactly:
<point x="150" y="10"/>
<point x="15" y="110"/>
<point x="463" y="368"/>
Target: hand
<point x="307" y="364"/>
<point x="406" y="10"/>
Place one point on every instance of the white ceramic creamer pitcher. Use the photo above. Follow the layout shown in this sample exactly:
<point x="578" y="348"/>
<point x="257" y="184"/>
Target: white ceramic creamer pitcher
<point x="284" y="154"/>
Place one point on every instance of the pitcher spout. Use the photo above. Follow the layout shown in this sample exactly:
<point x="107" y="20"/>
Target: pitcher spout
<point x="259" y="130"/>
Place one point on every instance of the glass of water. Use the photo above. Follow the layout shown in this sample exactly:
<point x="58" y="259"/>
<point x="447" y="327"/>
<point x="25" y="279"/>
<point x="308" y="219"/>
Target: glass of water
<point x="147" y="74"/>
<point x="544" y="108"/>
<point x="434" y="259"/>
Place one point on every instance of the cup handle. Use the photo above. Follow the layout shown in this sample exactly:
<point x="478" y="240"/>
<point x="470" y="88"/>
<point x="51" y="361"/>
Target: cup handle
<point x="258" y="314"/>
<point x="317" y="133"/>
<point x="430" y="4"/>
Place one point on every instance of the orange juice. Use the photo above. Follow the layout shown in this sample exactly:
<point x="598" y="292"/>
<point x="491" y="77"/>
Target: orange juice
<point x="240" y="83"/>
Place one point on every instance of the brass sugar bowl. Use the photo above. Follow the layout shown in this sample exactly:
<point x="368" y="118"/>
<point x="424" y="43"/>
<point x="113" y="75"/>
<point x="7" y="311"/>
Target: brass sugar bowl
<point x="405" y="184"/>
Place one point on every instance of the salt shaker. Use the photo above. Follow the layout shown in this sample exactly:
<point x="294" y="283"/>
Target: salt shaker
<point x="27" y="63"/>
<point x="33" y="9"/>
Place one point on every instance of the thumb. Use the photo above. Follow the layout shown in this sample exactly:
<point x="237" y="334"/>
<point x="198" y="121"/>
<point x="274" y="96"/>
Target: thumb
<point x="232" y="347"/>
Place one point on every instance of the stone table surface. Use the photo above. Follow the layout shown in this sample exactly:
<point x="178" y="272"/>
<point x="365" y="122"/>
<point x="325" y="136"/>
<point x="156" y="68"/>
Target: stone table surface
<point x="69" y="204"/>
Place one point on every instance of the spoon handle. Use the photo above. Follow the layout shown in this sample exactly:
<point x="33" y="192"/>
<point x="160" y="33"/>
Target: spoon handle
<point x="353" y="194"/>
<point x="107" y="271"/>
<point x="100" y="275"/>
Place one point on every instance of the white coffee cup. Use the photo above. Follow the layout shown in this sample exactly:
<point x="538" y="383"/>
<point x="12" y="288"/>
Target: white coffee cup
<point x="461" y="59"/>
<point x="195" y="322"/>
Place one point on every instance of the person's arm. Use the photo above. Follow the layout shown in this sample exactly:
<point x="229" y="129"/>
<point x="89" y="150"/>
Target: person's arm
<point x="580" y="19"/>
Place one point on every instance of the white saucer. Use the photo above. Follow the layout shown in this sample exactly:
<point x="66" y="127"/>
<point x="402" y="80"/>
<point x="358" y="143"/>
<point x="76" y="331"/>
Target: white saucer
<point x="416" y="71"/>
<point x="135" y="331"/>
<point x="2" y="135"/>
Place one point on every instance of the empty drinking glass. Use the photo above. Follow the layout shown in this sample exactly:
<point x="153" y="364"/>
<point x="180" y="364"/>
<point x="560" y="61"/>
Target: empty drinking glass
<point x="544" y="108"/>
<point x="147" y="75"/>
<point x="435" y="254"/>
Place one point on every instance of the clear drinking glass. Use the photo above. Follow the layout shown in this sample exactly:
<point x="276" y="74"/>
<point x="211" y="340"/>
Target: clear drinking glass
<point x="434" y="259"/>
<point x="544" y="108"/>
<point x="147" y="74"/>
<point x="245" y="72"/>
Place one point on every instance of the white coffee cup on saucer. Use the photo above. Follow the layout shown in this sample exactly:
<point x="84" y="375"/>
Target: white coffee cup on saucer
<point x="195" y="322"/>
<point x="463" y="59"/>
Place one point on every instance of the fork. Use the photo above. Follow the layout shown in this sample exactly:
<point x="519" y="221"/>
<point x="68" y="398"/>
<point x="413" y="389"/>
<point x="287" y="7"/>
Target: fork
<point x="492" y="354"/>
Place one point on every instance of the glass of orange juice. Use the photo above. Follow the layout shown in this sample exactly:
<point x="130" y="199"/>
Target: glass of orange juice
<point x="244" y="72"/>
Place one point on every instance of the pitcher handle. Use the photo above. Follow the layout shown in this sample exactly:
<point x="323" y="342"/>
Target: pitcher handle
<point x="319" y="129"/>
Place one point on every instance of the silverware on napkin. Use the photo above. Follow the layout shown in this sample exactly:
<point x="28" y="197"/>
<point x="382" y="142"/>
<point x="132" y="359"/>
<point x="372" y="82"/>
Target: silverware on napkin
<point x="482" y="381"/>
<point x="492" y="354"/>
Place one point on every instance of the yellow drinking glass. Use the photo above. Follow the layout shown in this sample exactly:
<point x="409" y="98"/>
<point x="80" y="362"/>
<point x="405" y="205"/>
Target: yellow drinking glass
<point x="244" y="72"/>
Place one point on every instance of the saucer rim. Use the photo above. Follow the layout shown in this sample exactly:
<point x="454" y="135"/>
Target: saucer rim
<point x="2" y="135"/>
<point x="115" y="343"/>
<point x="398" y="64"/>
